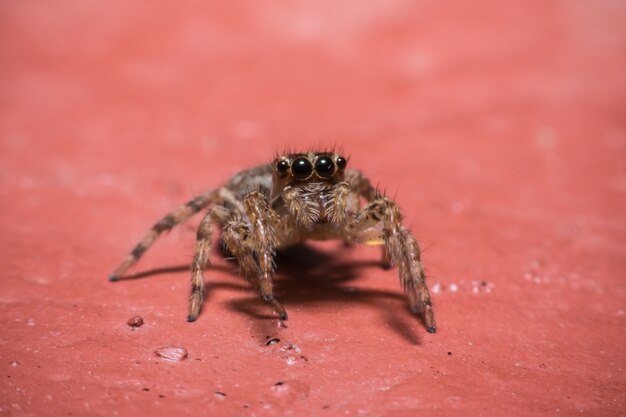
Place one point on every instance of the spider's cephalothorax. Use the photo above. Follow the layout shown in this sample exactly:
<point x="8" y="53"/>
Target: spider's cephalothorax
<point x="298" y="196"/>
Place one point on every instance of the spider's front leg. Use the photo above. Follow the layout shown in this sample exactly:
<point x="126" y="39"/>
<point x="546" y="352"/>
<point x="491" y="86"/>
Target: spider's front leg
<point x="401" y="248"/>
<point x="362" y="186"/>
<point x="264" y="222"/>
<point x="202" y="251"/>
<point x="237" y="237"/>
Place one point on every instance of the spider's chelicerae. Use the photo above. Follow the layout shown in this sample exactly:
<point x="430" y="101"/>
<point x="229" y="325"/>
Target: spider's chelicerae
<point x="298" y="196"/>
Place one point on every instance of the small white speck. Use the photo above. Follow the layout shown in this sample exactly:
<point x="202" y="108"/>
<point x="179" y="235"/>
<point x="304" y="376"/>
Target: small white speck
<point x="106" y="180"/>
<point x="546" y="137"/>
<point x="292" y="346"/>
<point x="30" y="322"/>
<point x="246" y="129"/>
<point x="456" y="207"/>
<point x="436" y="289"/>
<point x="41" y="280"/>
<point x="291" y="360"/>
<point x="26" y="182"/>
<point x="453" y="287"/>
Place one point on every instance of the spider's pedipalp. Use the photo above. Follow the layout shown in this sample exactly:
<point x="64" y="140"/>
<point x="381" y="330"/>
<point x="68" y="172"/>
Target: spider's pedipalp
<point x="305" y="211"/>
<point x="337" y="204"/>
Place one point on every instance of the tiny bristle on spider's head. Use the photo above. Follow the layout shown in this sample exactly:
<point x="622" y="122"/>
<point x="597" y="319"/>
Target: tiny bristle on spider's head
<point x="322" y="147"/>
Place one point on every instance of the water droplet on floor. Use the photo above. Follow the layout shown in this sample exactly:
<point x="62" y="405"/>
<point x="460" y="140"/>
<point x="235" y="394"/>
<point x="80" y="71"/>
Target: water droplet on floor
<point x="292" y="346"/>
<point x="290" y="390"/>
<point x="280" y="387"/>
<point x="272" y="341"/>
<point x="171" y="353"/>
<point x="134" y="322"/>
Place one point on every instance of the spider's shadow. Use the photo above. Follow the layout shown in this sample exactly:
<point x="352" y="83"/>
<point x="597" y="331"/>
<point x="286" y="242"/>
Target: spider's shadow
<point x="308" y="275"/>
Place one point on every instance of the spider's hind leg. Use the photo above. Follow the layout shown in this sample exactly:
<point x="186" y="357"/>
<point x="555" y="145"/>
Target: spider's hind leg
<point x="168" y="222"/>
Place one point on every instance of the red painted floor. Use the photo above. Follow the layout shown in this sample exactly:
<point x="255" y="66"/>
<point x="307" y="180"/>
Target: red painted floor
<point x="499" y="126"/>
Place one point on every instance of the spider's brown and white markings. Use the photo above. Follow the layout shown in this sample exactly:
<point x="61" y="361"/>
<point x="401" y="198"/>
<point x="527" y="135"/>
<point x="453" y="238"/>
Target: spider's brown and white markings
<point x="298" y="196"/>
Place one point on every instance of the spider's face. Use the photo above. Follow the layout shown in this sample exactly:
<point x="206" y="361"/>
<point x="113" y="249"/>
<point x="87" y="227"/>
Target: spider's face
<point x="310" y="167"/>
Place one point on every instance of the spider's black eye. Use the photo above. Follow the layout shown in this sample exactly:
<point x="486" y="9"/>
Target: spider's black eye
<point x="282" y="166"/>
<point x="324" y="167"/>
<point x="301" y="168"/>
<point x="341" y="162"/>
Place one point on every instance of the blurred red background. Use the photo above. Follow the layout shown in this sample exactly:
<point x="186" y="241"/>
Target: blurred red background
<point x="499" y="126"/>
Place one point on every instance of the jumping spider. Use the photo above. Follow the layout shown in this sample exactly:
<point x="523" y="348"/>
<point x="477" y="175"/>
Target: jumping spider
<point x="298" y="196"/>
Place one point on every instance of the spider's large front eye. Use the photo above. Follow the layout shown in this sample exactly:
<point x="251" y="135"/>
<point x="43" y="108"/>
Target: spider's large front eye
<point x="324" y="167"/>
<point x="341" y="162"/>
<point x="282" y="167"/>
<point x="301" y="168"/>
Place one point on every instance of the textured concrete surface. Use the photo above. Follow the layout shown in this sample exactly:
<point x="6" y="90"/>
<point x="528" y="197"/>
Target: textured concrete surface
<point x="499" y="126"/>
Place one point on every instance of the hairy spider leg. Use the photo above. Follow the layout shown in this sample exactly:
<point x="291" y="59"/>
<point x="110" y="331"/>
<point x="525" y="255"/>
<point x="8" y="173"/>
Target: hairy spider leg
<point x="200" y="261"/>
<point x="362" y="185"/>
<point x="237" y="238"/>
<point x="168" y="222"/>
<point x="264" y="222"/>
<point x="403" y="251"/>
